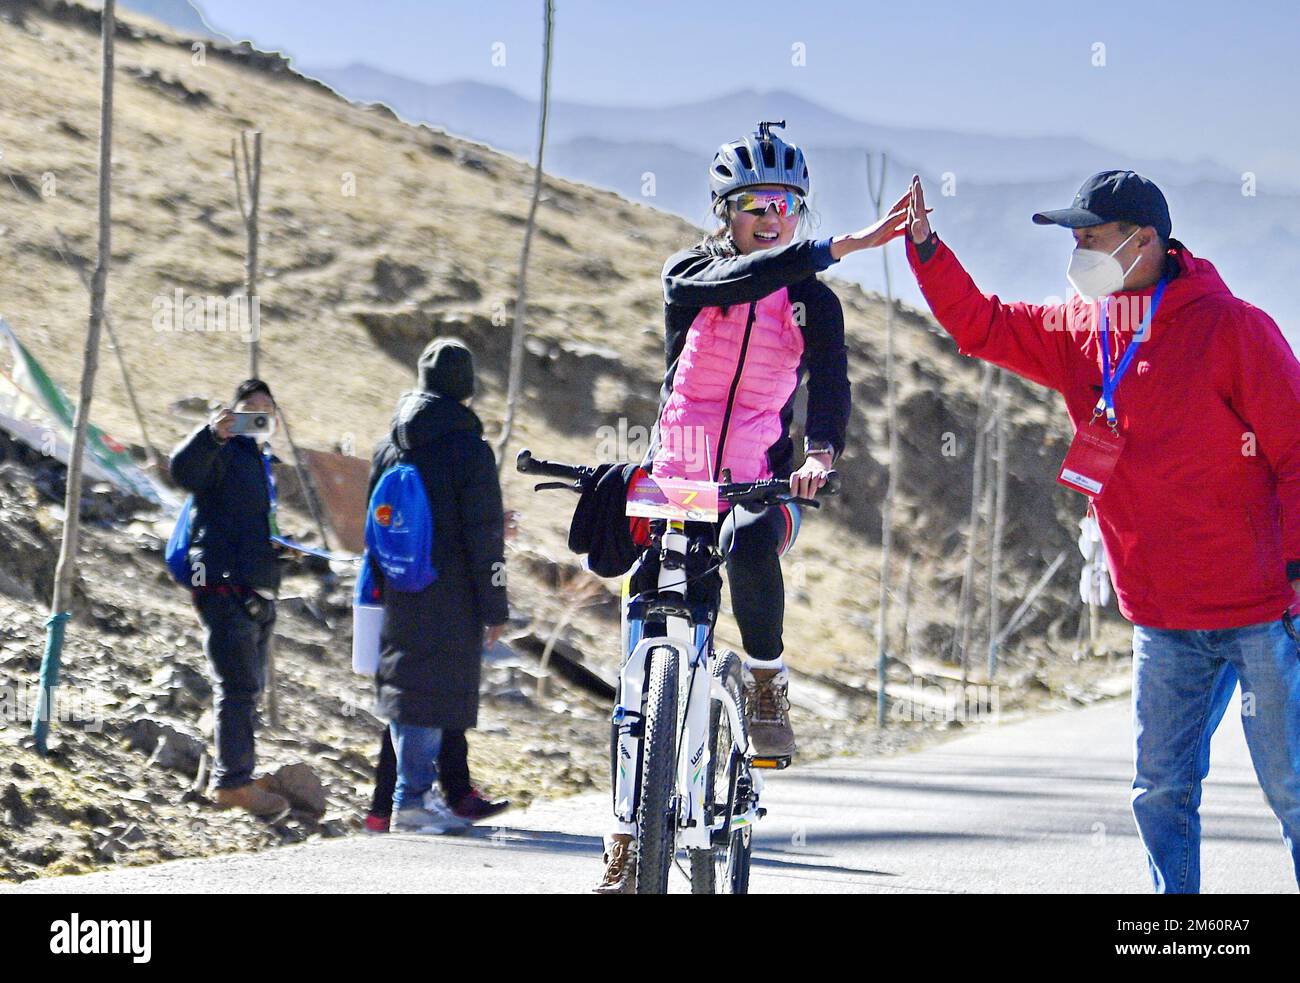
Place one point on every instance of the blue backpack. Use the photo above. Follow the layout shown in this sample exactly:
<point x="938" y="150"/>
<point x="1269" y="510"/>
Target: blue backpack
<point x="399" y="529"/>
<point x="177" y="554"/>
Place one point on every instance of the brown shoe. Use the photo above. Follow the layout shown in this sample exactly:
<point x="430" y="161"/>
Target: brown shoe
<point x="252" y="799"/>
<point x="620" y="865"/>
<point x="767" y="708"/>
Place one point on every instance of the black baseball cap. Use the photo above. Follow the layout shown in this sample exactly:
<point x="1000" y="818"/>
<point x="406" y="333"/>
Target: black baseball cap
<point x="1113" y="196"/>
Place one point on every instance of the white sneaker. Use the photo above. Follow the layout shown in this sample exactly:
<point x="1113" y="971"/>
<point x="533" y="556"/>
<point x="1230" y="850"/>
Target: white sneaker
<point x="433" y="818"/>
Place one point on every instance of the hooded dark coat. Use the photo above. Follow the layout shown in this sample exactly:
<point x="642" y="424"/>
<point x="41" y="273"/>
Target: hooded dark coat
<point x="431" y="644"/>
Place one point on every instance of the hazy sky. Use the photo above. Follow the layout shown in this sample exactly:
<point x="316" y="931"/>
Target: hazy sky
<point x="1197" y="78"/>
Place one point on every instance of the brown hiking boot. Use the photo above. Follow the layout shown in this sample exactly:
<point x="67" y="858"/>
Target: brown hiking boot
<point x="620" y="865"/>
<point x="253" y="799"/>
<point x="767" y="708"/>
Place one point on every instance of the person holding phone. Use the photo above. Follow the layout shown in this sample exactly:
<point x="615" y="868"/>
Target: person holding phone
<point x="236" y="576"/>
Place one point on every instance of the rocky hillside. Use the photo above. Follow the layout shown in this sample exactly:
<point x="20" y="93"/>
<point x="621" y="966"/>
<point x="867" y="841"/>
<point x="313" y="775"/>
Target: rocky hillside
<point x="377" y="236"/>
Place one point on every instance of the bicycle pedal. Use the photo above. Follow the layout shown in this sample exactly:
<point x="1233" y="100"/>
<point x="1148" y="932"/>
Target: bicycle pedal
<point x="778" y="763"/>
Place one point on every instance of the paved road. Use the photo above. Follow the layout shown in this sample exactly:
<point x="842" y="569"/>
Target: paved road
<point x="1039" y="805"/>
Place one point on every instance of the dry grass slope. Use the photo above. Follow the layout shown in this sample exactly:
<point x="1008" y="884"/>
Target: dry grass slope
<point x="378" y="235"/>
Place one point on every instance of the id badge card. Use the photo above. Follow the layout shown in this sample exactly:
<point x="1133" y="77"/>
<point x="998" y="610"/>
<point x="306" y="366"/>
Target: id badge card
<point x="1090" y="461"/>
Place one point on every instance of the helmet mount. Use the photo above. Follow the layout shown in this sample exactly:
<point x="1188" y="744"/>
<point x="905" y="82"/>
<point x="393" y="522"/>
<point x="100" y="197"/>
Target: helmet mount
<point x="757" y="159"/>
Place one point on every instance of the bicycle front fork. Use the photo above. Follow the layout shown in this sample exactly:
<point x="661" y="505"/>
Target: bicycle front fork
<point x="628" y="720"/>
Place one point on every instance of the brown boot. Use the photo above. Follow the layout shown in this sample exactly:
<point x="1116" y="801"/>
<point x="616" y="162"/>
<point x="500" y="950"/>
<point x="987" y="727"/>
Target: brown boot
<point x="620" y="865"/>
<point x="767" y="708"/>
<point x="252" y="799"/>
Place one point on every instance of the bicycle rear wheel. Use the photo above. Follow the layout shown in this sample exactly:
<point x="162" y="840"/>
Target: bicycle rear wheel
<point x="656" y="816"/>
<point x="724" y="868"/>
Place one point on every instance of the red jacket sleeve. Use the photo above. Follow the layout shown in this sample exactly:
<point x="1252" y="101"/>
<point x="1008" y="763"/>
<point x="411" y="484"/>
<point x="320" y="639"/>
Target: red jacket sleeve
<point x="1266" y="393"/>
<point x="1027" y="339"/>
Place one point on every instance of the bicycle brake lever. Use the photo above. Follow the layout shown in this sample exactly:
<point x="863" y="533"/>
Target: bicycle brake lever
<point x="550" y="485"/>
<point x="806" y="503"/>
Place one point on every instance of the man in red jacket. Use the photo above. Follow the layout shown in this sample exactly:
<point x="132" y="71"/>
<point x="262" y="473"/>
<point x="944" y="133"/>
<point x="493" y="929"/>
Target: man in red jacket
<point x="1186" y="408"/>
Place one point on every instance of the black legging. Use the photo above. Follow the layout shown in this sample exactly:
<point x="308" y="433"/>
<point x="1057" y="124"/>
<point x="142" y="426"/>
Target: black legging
<point x="750" y="541"/>
<point x="453" y="771"/>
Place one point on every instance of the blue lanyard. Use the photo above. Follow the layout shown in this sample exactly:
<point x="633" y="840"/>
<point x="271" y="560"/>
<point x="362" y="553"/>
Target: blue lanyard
<point x="1109" y="382"/>
<point x="270" y="493"/>
<point x="275" y="526"/>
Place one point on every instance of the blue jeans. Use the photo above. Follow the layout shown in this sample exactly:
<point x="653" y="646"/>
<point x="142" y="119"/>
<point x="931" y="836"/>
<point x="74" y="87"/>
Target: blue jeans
<point x="1182" y="682"/>
<point x="417" y="763"/>
<point x="236" y="644"/>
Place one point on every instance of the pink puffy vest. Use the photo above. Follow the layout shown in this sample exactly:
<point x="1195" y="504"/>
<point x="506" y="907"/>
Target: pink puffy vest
<point x="691" y="423"/>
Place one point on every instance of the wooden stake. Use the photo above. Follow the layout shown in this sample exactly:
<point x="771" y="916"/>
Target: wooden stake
<point x="999" y="521"/>
<point x="66" y="571"/>
<point x="964" y="614"/>
<point x="253" y="181"/>
<point x="515" y="383"/>
<point x="876" y="189"/>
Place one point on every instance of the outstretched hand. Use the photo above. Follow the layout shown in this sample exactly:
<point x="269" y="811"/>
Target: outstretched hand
<point x="892" y="226"/>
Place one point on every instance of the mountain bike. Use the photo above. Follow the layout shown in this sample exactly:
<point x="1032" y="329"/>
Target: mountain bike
<point x="683" y="769"/>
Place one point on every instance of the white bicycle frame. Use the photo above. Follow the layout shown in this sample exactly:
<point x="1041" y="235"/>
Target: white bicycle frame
<point x="695" y="678"/>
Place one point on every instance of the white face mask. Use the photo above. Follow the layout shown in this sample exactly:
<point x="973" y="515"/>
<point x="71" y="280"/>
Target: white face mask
<point x="1096" y="274"/>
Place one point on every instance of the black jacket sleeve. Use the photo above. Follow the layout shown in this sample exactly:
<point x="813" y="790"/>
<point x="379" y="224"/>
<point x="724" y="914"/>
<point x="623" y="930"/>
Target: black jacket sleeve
<point x="694" y="278"/>
<point x="830" y="398"/>
<point x="482" y="518"/>
<point x="196" y="462"/>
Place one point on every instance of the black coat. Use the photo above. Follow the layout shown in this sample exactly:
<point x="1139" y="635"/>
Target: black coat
<point x="231" y="529"/>
<point x="431" y="646"/>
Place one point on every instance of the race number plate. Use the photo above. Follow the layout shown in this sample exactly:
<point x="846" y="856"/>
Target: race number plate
<point x="674" y="498"/>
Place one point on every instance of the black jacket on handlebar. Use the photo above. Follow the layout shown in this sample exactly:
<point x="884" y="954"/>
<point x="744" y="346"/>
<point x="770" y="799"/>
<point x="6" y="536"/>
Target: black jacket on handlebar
<point x="600" y="527"/>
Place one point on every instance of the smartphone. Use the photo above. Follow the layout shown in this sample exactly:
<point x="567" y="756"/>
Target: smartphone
<point x="251" y="424"/>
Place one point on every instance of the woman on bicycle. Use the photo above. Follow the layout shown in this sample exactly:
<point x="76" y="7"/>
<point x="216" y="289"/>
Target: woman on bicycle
<point x="746" y="317"/>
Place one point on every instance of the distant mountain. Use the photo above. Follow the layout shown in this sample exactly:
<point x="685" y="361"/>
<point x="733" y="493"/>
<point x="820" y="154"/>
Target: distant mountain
<point x="508" y="121"/>
<point x="180" y="15"/>
<point x="998" y="182"/>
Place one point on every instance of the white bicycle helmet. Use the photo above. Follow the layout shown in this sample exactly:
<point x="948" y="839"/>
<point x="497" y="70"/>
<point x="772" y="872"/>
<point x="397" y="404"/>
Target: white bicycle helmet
<point x="760" y="158"/>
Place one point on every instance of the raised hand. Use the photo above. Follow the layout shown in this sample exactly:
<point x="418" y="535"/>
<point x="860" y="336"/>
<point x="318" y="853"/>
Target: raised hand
<point x="918" y="224"/>
<point x="221" y="422"/>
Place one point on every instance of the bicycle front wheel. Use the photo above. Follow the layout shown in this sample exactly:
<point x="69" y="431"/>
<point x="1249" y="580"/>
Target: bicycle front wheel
<point x="656" y="816"/>
<point x="724" y="867"/>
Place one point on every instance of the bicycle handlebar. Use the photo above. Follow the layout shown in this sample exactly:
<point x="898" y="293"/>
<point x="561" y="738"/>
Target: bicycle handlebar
<point x="772" y="491"/>
<point x="525" y="463"/>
